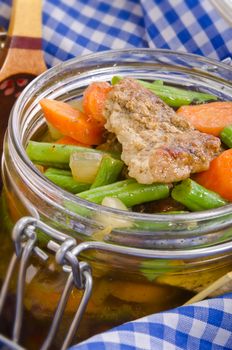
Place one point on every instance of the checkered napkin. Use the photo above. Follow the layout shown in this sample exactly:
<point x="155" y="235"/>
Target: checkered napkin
<point x="77" y="27"/>
<point x="206" y="325"/>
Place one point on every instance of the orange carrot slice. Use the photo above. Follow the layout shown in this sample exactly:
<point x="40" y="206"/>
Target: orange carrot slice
<point x="71" y="122"/>
<point x="218" y="177"/>
<point x="210" y="118"/>
<point x="136" y="292"/>
<point x="94" y="98"/>
<point x="66" y="140"/>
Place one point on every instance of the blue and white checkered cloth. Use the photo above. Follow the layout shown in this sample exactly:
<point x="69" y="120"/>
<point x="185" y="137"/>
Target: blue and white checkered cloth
<point x="206" y="325"/>
<point x="77" y="27"/>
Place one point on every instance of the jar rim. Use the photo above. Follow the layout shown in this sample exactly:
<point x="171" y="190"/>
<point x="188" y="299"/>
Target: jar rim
<point x="201" y="215"/>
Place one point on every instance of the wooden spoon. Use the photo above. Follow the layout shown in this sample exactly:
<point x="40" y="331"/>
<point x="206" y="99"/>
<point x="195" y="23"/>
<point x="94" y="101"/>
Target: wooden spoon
<point x="22" y="58"/>
<point x="2" y="38"/>
<point x="2" y="44"/>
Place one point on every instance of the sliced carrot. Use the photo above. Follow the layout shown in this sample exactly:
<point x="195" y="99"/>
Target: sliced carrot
<point x="218" y="177"/>
<point x="71" y="122"/>
<point x="136" y="292"/>
<point x="94" y="98"/>
<point x="66" y="140"/>
<point x="210" y="118"/>
<point x="36" y="291"/>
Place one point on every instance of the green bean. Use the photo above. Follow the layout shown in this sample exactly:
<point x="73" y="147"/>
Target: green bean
<point x="128" y="191"/>
<point x="226" y="136"/>
<point x="56" y="155"/>
<point x="174" y="97"/>
<point x="108" y="172"/>
<point x="151" y="269"/>
<point x="55" y="171"/>
<point x="64" y="179"/>
<point x="196" y="197"/>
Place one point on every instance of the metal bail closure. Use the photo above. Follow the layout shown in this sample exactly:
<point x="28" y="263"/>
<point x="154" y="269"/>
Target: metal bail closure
<point x="24" y="238"/>
<point x="79" y="277"/>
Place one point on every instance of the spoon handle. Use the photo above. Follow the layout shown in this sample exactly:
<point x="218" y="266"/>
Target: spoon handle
<point x="23" y="49"/>
<point x="26" y="19"/>
<point x="23" y="58"/>
<point x="25" y="29"/>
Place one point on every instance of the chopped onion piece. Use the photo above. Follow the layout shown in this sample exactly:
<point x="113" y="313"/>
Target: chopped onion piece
<point x="55" y="134"/>
<point x="115" y="203"/>
<point x="111" y="220"/>
<point x="84" y="166"/>
<point x="77" y="104"/>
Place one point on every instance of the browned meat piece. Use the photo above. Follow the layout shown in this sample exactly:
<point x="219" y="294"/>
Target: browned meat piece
<point x="157" y="144"/>
<point x="160" y="206"/>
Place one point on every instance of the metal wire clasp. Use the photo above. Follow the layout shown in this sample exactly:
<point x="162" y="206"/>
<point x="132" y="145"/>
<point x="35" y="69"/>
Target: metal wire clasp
<point x="25" y="239"/>
<point x="80" y="276"/>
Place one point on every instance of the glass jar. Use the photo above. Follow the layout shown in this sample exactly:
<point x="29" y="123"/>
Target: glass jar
<point x="140" y="263"/>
